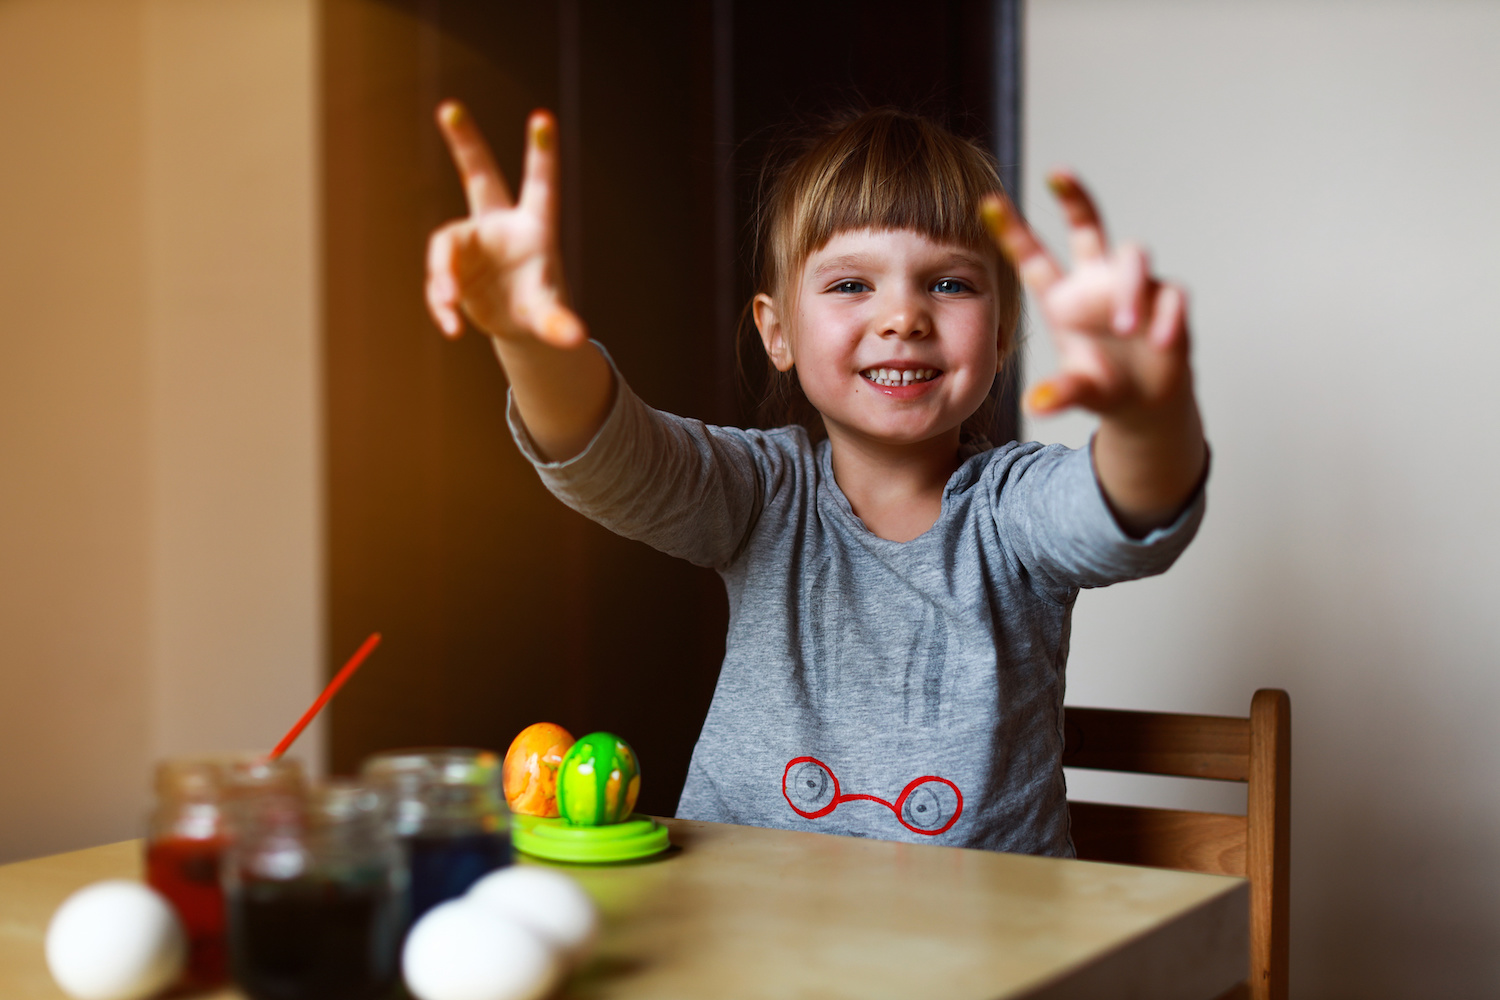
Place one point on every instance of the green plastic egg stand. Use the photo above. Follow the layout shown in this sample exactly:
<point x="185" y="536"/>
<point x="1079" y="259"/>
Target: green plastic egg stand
<point x="589" y="830"/>
<point x="559" y="840"/>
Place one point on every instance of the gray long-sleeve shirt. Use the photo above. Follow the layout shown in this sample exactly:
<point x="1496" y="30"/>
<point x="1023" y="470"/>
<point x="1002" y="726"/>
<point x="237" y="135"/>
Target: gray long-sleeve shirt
<point x="900" y="690"/>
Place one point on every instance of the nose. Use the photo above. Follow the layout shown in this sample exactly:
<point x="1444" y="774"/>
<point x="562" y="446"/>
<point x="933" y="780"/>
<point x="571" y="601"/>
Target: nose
<point x="904" y="315"/>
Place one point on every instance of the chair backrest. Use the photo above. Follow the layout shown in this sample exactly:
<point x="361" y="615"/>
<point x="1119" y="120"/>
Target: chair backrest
<point x="1255" y="750"/>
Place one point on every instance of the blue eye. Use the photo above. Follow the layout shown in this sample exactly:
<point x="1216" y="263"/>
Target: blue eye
<point x="851" y="287"/>
<point x="950" y="286"/>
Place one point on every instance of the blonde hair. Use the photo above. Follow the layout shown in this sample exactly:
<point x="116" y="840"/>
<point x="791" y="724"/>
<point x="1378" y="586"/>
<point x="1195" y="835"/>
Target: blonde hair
<point x="880" y="169"/>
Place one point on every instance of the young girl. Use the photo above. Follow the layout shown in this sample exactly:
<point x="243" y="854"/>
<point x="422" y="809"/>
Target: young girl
<point x="899" y="593"/>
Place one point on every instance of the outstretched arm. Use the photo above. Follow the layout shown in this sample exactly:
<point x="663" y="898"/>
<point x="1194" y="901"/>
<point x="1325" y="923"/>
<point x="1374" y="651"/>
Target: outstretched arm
<point x="502" y="267"/>
<point x="1122" y="341"/>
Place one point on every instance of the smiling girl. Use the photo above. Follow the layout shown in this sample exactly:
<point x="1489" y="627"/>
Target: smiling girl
<point x="900" y="593"/>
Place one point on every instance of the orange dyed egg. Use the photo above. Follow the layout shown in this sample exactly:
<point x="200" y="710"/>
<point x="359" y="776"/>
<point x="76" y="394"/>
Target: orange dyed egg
<point x="531" y="766"/>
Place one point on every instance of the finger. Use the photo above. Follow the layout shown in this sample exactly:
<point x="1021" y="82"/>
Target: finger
<point x="1086" y="239"/>
<point x="443" y="312"/>
<point x="1019" y="244"/>
<point x="442" y="287"/>
<point x="1169" y="319"/>
<point x="1133" y="290"/>
<point x="484" y="185"/>
<point x="1062" y="391"/>
<point x="445" y="251"/>
<point x="539" y="187"/>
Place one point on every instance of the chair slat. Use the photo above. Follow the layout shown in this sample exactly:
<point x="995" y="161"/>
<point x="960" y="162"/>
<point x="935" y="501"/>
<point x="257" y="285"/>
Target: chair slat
<point x="1269" y="813"/>
<point x="1188" y="746"/>
<point x="1213" y="843"/>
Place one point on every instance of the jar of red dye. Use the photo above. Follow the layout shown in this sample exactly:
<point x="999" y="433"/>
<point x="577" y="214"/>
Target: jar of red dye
<point x="186" y="841"/>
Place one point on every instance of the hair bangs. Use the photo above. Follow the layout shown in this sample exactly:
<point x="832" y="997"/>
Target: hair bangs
<point x="884" y="170"/>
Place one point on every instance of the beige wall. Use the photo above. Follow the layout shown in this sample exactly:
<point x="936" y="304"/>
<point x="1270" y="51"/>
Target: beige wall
<point x="1322" y="176"/>
<point x="75" y="476"/>
<point x="159" y="532"/>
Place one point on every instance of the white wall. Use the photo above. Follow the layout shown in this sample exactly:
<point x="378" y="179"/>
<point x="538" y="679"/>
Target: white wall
<point x="1322" y="175"/>
<point x="159" y="486"/>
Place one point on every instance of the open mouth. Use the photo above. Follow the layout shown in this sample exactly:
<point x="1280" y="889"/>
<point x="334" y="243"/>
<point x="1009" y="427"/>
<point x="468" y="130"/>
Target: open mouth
<point x="900" y="376"/>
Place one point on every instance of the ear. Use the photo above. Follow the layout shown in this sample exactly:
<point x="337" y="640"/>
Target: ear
<point x="773" y="333"/>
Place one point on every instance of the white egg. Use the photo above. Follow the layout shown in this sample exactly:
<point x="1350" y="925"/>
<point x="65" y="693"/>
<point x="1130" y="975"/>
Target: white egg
<point x="460" y="951"/>
<point x="115" y="940"/>
<point x="547" y="901"/>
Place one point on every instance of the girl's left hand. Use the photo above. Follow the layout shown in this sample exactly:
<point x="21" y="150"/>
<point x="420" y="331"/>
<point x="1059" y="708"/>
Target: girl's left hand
<point x="1121" y="333"/>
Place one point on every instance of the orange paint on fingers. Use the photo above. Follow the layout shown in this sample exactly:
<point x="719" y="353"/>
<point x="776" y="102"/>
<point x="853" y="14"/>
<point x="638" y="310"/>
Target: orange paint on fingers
<point x="1043" y="398"/>
<point x="541" y="133"/>
<point x="1000" y="219"/>
<point x="995" y="216"/>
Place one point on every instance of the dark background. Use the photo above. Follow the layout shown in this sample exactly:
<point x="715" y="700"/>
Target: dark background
<point x="500" y="607"/>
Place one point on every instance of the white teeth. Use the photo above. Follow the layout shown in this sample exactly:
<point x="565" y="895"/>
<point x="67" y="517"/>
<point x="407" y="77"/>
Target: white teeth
<point x="898" y="376"/>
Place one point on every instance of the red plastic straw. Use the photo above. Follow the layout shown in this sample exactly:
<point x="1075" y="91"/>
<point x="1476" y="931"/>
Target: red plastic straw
<point x="328" y="693"/>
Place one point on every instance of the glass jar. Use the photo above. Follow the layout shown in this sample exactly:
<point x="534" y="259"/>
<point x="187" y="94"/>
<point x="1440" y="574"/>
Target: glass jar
<point x="449" y="811"/>
<point x="316" y="889"/>
<point x="185" y="842"/>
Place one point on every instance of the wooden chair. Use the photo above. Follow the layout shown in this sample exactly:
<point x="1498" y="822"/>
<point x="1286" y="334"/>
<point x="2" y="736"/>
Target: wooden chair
<point x="1257" y="751"/>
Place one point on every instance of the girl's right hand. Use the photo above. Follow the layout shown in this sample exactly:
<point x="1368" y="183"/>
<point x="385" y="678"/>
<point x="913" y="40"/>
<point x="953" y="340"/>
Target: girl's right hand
<point x="502" y="266"/>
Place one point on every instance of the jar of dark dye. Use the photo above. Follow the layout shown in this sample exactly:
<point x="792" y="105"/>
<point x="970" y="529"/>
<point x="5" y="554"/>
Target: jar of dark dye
<point x="316" y="887"/>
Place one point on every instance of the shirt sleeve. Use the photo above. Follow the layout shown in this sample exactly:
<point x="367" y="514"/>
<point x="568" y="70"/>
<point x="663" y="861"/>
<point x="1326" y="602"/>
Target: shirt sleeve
<point x="1052" y="514"/>
<point x="681" y="486"/>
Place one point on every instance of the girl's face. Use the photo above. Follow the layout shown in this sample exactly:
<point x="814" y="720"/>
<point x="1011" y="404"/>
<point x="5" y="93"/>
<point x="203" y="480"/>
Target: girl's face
<point x="896" y="338"/>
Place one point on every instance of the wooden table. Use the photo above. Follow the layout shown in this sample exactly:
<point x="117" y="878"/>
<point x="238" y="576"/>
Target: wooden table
<point x="742" y="912"/>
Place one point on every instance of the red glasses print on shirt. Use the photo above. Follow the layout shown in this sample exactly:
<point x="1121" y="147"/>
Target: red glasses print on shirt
<point x="928" y="805"/>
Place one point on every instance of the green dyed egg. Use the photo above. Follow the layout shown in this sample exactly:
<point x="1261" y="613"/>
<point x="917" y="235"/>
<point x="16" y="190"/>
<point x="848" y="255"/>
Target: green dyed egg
<point x="598" y="781"/>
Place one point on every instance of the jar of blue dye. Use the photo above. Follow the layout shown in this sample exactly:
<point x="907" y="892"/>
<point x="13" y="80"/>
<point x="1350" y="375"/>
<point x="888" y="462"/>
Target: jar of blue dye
<point x="448" y="809"/>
